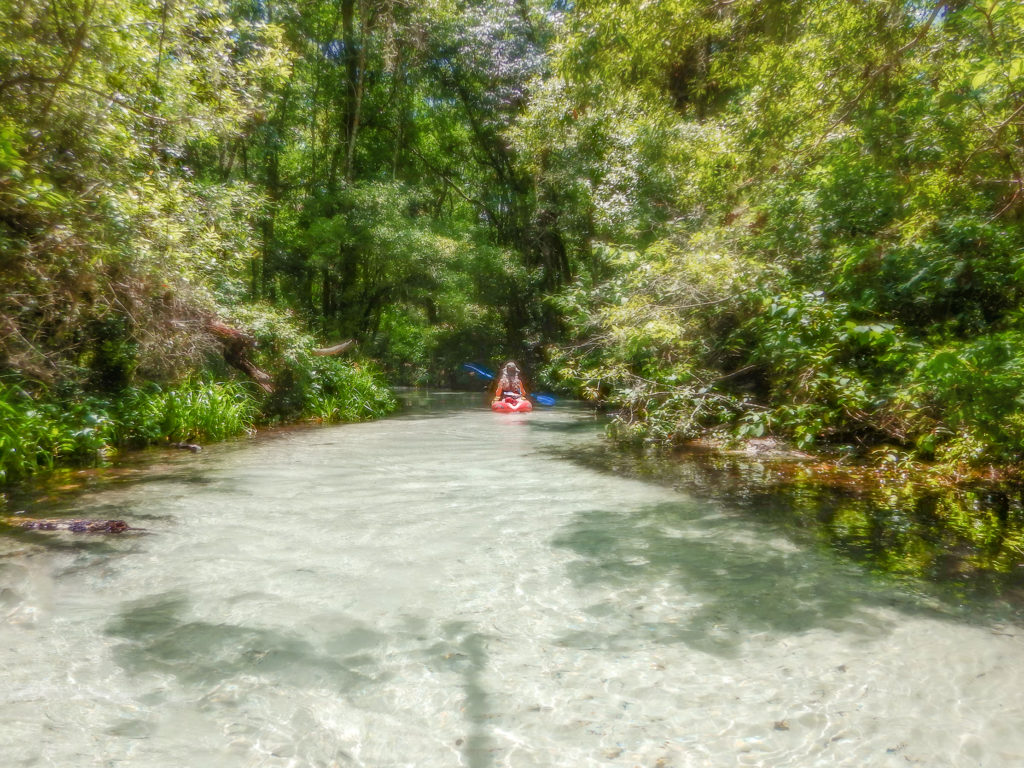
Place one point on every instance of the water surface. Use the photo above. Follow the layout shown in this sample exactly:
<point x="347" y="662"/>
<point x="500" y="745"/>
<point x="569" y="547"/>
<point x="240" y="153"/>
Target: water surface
<point x="450" y="587"/>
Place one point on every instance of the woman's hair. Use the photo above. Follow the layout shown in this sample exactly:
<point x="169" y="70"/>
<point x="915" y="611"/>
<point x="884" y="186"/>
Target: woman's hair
<point x="509" y="374"/>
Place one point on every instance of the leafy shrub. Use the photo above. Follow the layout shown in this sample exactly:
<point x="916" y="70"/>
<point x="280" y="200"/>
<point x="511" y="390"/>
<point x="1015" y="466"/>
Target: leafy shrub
<point x="194" y="410"/>
<point x="342" y="391"/>
<point x="308" y="385"/>
<point x="38" y="431"/>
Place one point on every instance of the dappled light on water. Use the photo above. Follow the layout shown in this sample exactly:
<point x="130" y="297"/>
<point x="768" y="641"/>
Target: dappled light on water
<point x="457" y="587"/>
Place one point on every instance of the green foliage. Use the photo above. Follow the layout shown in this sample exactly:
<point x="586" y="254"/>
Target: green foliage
<point x="42" y="430"/>
<point x="341" y="391"/>
<point x="308" y="385"/>
<point x="401" y="214"/>
<point x="650" y="339"/>
<point x="113" y="246"/>
<point x="195" y="410"/>
<point x="39" y="431"/>
<point x="881" y="234"/>
<point x="35" y="434"/>
<point x="802" y="219"/>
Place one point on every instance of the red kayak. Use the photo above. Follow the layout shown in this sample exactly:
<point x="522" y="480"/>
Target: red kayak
<point x="512" y="405"/>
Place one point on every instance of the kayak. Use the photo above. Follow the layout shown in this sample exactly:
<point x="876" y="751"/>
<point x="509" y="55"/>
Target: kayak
<point x="512" y="405"/>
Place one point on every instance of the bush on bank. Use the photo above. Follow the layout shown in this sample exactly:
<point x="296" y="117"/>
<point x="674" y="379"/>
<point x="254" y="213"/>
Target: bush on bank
<point x="691" y="336"/>
<point x="840" y="261"/>
<point x="44" y="426"/>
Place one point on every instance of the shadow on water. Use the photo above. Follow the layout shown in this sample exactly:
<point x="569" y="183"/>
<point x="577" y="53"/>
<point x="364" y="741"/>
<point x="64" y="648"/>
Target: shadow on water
<point x="964" y="548"/>
<point x="738" y="588"/>
<point x="158" y="636"/>
<point x="417" y="404"/>
<point x="99" y="545"/>
<point x="464" y="652"/>
<point x="585" y="424"/>
<point x="61" y="492"/>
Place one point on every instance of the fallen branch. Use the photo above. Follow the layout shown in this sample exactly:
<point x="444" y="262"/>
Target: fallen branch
<point x="75" y="526"/>
<point x="236" y="344"/>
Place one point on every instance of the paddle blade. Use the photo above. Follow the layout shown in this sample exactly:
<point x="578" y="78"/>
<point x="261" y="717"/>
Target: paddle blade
<point x="544" y="399"/>
<point x="478" y="370"/>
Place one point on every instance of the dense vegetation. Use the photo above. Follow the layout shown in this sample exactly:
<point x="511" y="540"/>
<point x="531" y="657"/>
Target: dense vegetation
<point x="839" y="250"/>
<point x="799" y="218"/>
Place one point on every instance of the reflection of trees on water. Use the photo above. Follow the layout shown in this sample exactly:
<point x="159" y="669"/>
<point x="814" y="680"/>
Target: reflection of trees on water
<point x="943" y="536"/>
<point x="971" y="540"/>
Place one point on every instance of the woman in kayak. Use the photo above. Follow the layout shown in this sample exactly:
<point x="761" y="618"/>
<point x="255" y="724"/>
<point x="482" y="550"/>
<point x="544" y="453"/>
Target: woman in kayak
<point x="509" y="383"/>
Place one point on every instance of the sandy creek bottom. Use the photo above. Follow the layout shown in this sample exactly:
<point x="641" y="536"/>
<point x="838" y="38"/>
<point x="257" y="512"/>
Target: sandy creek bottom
<point x="449" y="588"/>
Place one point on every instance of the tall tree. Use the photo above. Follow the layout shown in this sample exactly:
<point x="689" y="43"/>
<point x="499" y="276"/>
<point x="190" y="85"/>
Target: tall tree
<point x="109" y="241"/>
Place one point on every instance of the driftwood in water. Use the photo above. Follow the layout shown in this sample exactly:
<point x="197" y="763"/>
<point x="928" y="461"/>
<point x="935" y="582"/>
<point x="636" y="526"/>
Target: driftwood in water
<point x="337" y="349"/>
<point x="236" y="345"/>
<point x="75" y="526"/>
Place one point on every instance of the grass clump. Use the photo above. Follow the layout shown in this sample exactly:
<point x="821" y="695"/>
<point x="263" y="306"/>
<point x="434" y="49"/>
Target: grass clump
<point x="42" y="426"/>
<point x="196" y="409"/>
<point x="43" y="429"/>
<point x="342" y="391"/>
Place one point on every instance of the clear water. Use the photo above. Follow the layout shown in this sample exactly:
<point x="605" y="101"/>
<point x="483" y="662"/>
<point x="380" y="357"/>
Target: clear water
<point x="449" y="588"/>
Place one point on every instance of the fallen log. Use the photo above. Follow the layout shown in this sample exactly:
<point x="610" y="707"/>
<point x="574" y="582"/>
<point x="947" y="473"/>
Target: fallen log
<point x="236" y="344"/>
<point x="337" y="349"/>
<point x="75" y="526"/>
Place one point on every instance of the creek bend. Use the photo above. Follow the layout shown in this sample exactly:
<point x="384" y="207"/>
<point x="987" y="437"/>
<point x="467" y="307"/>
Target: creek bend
<point x="450" y="587"/>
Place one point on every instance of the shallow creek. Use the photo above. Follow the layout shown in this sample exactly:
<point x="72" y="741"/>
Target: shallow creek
<point x="452" y="587"/>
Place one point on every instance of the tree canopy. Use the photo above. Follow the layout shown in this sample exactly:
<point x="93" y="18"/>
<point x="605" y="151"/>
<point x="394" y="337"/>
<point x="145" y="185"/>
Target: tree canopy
<point x="796" y="217"/>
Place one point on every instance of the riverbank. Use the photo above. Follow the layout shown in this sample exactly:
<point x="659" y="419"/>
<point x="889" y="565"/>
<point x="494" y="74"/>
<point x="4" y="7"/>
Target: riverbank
<point x="52" y="491"/>
<point x="895" y="517"/>
<point x="883" y="464"/>
<point x="43" y="428"/>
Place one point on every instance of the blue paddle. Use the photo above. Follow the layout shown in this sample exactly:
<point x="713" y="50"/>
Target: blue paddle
<point x="481" y="371"/>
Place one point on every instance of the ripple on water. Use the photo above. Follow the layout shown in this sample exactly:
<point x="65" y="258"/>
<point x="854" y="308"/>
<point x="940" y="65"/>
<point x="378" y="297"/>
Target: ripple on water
<point x="452" y="591"/>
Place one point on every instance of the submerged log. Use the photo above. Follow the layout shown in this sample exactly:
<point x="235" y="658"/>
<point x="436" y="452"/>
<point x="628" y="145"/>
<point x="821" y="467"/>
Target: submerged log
<point x="236" y="345"/>
<point x="337" y="349"/>
<point x="75" y="526"/>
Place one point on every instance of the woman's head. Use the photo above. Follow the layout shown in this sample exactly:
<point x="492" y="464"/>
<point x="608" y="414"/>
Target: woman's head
<point x="509" y="373"/>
